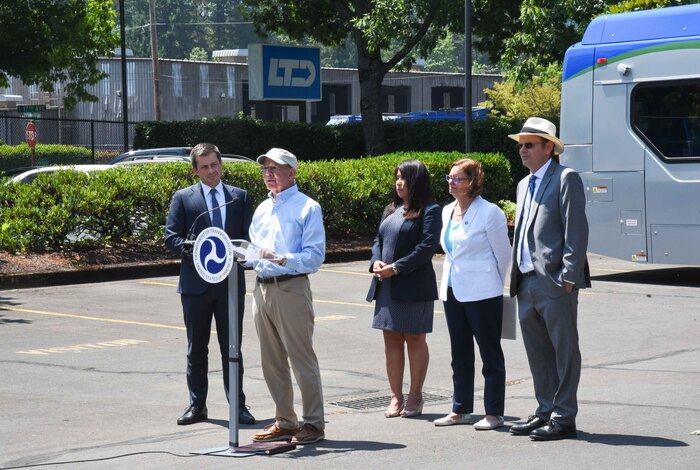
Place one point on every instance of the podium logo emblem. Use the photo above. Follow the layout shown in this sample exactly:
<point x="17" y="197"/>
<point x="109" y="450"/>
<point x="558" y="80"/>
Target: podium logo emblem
<point x="213" y="255"/>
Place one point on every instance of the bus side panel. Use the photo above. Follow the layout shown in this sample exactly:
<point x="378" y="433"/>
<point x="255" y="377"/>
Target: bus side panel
<point x="673" y="210"/>
<point x="614" y="146"/>
<point x="615" y="212"/>
<point x="577" y="110"/>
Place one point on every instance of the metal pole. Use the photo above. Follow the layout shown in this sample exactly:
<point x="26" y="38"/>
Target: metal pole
<point x="233" y="357"/>
<point x="467" y="76"/>
<point x="154" y="60"/>
<point x="92" y="139"/>
<point x="125" y="110"/>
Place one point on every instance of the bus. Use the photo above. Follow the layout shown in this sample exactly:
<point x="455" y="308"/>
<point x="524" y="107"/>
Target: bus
<point x="630" y="122"/>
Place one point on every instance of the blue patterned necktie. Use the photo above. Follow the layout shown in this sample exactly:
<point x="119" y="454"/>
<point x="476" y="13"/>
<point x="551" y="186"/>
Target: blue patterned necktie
<point x="526" y="216"/>
<point x="216" y="211"/>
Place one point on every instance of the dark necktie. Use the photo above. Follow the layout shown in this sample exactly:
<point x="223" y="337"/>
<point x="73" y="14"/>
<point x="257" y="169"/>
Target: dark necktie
<point x="216" y="211"/>
<point x="526" y="215"/>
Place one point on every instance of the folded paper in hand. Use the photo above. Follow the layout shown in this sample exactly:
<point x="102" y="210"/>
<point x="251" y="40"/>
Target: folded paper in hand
<point x="244" y="250"/>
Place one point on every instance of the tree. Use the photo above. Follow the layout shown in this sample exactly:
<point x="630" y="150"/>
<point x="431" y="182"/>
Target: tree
<point x="376" y="27"/>
<point x="45" y="42"/>
<point x="548" y="28"/>
<point x="184" y="25"/>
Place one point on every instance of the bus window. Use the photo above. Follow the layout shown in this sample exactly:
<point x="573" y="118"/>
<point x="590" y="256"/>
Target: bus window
<point x="667" y="117"/>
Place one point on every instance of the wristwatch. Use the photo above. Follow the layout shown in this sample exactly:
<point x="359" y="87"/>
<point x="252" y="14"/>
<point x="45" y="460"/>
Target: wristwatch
<point x="394" y="268"/>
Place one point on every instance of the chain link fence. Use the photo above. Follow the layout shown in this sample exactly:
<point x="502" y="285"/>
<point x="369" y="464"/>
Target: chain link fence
<point x="62" y="140"/>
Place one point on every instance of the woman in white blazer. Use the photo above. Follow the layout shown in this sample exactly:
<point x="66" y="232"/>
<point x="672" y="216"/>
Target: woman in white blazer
<point x="477" y="255"/>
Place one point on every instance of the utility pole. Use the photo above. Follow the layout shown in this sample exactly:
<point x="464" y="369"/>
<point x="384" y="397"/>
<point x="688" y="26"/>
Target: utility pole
<point x="154" y="60"/>
<point x="467" y="76"/>
<point x="125" y="106"/>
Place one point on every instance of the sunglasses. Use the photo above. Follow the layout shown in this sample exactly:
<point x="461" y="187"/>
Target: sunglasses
<point x="455" y="179"/>
<point x="529" y="145"/>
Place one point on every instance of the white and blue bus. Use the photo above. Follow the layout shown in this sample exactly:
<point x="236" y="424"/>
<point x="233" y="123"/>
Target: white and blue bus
<point x="630" y="121"/>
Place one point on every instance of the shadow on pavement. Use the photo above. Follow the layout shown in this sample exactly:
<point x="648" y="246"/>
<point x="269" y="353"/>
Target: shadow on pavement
<point x="341" y="447"/>
<point x="686" y="277"/>
<point x="629" y="440"/>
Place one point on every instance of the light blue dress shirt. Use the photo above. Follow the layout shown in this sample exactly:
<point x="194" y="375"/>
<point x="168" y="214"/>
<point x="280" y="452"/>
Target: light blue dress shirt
<point x="290" y="224"/>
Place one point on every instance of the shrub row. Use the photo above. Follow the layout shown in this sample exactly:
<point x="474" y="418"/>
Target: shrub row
<point x="15" y="156"/>
<point x="311" y="142"/>
<point x="126" y="204"/>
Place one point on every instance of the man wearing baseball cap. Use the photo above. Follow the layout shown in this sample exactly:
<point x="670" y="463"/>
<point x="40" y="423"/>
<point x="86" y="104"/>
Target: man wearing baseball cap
<point x="289" y="224"/>
<point x="549" y="266"/>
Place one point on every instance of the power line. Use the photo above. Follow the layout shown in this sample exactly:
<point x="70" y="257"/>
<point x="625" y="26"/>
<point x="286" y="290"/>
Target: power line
<point x="191" y="24"/>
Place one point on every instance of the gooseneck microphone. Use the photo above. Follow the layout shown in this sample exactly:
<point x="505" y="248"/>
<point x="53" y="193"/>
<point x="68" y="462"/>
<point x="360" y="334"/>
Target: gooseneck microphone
<point x="188" y="238"/>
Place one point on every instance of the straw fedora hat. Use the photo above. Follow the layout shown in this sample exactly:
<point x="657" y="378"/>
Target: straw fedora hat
<point x="540" y="128"/>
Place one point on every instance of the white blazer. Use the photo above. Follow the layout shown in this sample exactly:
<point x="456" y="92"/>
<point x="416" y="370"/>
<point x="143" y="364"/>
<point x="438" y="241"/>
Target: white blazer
<point x="479" y="261"/>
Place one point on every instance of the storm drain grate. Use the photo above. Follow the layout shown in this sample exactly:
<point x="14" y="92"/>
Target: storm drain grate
<point x="376" y="401"/>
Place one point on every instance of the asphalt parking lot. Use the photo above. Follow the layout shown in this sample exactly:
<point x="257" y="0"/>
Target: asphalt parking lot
<point x="92" y="376"/>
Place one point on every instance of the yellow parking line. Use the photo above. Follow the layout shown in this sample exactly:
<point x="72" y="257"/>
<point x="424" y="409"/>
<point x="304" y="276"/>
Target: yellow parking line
<point x="156" y="283"/>
<point x="87" y="317"/>
<point x="341" y="271"/>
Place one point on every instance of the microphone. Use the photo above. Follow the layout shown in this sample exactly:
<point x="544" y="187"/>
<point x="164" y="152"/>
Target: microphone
<point x="190" y="232"/>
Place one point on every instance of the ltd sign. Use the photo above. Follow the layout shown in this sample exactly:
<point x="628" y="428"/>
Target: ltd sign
<point x="284" y="73"/>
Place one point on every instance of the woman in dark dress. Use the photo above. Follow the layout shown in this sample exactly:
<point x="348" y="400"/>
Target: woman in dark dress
<point x="404" y="285"/>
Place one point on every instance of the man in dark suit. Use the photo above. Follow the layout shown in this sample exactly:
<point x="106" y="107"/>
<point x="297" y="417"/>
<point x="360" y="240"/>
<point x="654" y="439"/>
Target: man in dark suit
<point x="229" y="208"/>
<point x="549" y="267"/>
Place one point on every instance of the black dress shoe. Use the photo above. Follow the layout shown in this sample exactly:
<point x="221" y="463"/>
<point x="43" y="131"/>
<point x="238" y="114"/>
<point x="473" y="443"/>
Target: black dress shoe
<point x="244" y="416"/>
<point x="193" y="414"/>
<point x="533" y="422"/>
<point x="553" y="431"/>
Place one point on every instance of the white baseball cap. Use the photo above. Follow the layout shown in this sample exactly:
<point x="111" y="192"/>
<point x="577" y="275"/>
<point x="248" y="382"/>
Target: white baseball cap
<point x="281" y="156"/>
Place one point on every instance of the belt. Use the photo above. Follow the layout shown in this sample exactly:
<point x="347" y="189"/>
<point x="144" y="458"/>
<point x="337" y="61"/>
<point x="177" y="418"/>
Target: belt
<point x="283" y="277"/>
<point x="529" y="273"/>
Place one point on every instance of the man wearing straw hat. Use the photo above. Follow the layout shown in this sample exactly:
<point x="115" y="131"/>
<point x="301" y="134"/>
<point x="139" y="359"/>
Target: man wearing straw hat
<point x="549" y="267"/>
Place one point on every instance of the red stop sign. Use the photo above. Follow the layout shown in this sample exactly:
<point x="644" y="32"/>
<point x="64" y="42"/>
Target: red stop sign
<point x="31" y="134"/>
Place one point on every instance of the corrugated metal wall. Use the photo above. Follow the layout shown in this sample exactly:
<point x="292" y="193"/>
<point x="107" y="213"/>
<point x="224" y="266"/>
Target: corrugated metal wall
<point x="194" y="90"/>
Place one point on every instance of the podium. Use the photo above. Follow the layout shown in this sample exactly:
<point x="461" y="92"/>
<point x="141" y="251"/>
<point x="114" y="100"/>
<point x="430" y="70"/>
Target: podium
<point x="214" y="255"/>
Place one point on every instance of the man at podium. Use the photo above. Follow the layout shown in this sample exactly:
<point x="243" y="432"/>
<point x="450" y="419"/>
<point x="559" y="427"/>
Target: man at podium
<point x="208" y="203"/>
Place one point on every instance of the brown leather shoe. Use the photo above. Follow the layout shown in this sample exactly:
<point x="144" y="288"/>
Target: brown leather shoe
<point x="272" y="432"/>
<point x="308" y="435"/>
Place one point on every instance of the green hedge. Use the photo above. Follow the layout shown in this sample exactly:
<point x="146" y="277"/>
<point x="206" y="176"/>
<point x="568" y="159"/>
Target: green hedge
<point x="312" y="142"/>
<point x="126" y="204"/>
<point x="15" y="156"/>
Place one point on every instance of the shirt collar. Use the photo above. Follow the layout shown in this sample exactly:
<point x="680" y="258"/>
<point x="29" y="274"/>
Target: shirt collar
<point x="543" y="170"/>
<point x="207" y="189"/>
<point x="284" y="195"/>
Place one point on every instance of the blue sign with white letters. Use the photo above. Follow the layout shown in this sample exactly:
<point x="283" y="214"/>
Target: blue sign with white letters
<point x="285" y="73"/>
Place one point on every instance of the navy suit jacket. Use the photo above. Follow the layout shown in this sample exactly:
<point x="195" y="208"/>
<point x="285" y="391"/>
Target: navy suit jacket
<point x="417" y="242"/>
<point x="186" y="206"/>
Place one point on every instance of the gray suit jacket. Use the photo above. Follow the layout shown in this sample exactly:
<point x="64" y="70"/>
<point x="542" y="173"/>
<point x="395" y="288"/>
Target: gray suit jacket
<point x="558" y="233"/>
<point x="186" y="206"/>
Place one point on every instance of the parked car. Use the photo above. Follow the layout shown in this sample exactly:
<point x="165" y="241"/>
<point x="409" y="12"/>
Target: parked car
<point x="140" y="160"/>
<point x="30" y="175"/>
<point x="172" y="151"/>
<point x="169" y="152"/>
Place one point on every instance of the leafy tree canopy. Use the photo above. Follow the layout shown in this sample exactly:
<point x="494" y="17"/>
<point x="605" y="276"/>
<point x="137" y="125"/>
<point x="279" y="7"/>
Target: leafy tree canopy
<point x="385" y="33"/>
<point x="48" y="41"/>
<point x="184" y="25"/>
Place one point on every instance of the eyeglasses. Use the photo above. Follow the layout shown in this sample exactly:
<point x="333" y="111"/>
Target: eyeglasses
<point x="270" y="169"/>
<point x="529" y="145"/>
<point x="455" y="179"/>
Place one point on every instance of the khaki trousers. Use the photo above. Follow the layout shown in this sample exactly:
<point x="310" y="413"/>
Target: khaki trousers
<point x="284" y="320"/>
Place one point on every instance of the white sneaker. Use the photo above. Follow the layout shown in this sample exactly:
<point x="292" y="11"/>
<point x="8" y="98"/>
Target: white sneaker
<point x="485" y="425"/>
<point x="447" y="421"/>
